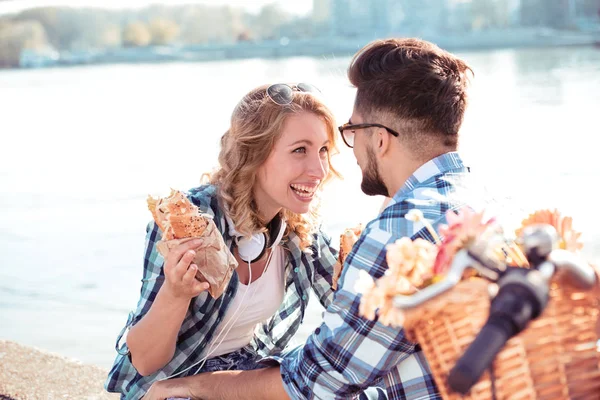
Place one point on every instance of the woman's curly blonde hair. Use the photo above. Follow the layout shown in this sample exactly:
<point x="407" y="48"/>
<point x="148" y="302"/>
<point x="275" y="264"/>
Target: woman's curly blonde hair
<point x="256" y="124"/>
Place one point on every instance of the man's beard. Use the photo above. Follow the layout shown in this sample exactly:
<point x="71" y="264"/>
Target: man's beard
<point x="372" y="184"/>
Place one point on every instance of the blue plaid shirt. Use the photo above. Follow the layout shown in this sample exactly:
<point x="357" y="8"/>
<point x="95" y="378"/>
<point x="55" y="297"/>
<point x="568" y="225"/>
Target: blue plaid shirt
<point x="348" y="353"/>
<point x="305" y="270"/>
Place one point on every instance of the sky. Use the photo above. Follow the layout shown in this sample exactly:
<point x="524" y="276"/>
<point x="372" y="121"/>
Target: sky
<point x="300" y="7"/>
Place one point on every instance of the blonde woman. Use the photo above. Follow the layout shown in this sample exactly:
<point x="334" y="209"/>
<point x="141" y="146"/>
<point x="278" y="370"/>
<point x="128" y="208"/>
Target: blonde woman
<point x="274" y="160"/>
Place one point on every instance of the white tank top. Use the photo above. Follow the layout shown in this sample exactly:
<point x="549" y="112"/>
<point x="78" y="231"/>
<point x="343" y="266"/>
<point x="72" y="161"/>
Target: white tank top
<point x="252" y="304"/>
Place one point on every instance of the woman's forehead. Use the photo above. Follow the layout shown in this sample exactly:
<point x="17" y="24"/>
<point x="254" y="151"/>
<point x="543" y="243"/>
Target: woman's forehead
<point x="306" y="127"/>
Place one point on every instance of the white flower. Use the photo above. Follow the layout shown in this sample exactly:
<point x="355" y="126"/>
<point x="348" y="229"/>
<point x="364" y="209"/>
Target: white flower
<point x="364" y="283"/>
<point x="414" y="215"/>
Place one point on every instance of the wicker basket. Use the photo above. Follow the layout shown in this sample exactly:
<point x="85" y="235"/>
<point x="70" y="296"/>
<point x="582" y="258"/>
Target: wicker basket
<point x="554" y="358"/>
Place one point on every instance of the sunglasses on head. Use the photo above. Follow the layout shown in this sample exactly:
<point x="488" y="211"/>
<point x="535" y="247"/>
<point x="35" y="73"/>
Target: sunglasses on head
<point x="283" y="94"/>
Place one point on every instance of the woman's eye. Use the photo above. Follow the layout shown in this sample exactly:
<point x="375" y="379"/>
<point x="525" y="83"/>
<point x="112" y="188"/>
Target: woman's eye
<point x="324" y="149"/>
<point x="300" y="150"/>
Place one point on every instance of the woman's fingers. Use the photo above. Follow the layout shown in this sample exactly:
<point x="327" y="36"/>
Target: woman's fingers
<point x="199" y="287"/>
<point x="191" y="283"/>
<point x="183" y="265"/>
<point x="180" y="271"/>
<point x="176" y="253"/>
<point x="190" y="275"/>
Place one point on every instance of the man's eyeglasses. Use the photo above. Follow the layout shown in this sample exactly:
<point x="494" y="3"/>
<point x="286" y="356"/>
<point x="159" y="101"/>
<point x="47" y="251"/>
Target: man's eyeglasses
<point x="347" y="131"/>
<point x="283" y="94"/>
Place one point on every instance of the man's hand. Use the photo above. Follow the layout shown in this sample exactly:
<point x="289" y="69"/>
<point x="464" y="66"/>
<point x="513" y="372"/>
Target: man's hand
<point x="259" y="384"/>
<point x="162" y="390"/>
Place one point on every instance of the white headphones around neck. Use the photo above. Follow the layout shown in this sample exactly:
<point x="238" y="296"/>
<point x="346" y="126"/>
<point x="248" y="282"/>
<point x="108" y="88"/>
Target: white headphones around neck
<point x="253" y="248"/>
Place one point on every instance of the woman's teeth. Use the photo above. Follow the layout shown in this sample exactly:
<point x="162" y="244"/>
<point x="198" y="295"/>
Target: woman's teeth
<point x="303" y="191"/>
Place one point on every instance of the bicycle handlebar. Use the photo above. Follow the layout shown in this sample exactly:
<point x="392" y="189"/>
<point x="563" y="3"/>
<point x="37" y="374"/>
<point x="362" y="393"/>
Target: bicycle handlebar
<point x="519" y="300"/>
<point x="521" y="297"/>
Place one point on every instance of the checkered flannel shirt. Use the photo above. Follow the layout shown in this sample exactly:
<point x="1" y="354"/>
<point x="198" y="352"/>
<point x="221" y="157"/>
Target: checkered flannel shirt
<point x="305" y="271"/>
<point x="348" y="353"/>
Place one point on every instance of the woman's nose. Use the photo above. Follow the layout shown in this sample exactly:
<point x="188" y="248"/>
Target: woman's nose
<point x="318" y="167"/>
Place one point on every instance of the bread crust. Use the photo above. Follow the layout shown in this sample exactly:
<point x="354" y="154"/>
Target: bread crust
<point x="176" y="216"/>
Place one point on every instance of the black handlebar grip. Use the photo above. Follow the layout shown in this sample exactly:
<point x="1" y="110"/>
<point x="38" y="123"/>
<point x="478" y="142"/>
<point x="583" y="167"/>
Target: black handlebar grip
<point x="480" y="354"/>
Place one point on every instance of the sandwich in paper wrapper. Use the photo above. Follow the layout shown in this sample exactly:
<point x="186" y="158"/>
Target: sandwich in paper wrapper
<point x="347" y="240"/>
<point x="181" y="221"/>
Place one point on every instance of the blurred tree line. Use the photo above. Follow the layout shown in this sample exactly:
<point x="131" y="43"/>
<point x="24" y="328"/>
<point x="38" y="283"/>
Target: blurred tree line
<point x="72" y="29"/>
<point x="62" y="29"/>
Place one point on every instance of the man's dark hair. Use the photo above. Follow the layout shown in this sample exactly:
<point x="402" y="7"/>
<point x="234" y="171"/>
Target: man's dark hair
<point x="414" y="85"/>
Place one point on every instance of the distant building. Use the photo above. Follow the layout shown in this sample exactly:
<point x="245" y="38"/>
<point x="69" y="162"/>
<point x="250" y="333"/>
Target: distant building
<point x="321" y="10"/>
<point x="378" y="18"/>
<point x="587" y="14"/>
<point x="514" y="12"/>
<point x="424" y="17"/>
<point x="359" y="18"/>
<point x="590" y="9"/>
<point x="549" y="13"/>
<point x="380" y="14"/>
<point x="351" y="18"/>
<point x="459" y="16"/>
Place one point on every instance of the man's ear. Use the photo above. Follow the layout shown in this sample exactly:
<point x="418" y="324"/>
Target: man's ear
<point x="383" y="144"/>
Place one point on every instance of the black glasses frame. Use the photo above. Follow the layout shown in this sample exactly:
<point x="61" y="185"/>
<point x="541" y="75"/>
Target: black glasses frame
<point x="350" y="127"/>
<point x="283" y="94"/>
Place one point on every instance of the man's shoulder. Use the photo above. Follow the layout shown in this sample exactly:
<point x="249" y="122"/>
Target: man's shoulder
<point x="433" y="196"/>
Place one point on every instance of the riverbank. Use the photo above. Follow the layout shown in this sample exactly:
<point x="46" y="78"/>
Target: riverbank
<point x="310" y="47"/>
<point x="27" y="373"/>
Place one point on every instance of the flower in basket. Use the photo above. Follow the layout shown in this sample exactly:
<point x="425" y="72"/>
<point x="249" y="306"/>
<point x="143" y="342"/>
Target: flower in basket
<point x="415" y="264"/>
<point x="440" y="326"/>
<point x="463" y="229"/>
<point x="410" y="266"/>
<point x="569" y="239"/>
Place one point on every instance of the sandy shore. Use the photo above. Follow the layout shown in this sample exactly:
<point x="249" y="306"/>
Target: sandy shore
<point x="28" y="373"/>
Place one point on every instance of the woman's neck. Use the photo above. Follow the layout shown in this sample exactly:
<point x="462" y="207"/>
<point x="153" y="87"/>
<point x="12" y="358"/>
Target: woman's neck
<point x="267" y="209"/>
<point x="267" y="216"/>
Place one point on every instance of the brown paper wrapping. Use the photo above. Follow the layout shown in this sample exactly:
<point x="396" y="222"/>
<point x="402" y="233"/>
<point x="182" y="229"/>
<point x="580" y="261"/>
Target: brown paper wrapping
<point x="213" y="258"/>
<point x="347" y="240"/>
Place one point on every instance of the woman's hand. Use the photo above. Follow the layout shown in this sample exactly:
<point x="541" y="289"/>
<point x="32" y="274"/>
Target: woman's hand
<point x="180" y="272"/>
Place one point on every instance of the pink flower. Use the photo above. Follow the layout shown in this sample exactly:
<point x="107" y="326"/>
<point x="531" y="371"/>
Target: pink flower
<point x="462" y="229"/>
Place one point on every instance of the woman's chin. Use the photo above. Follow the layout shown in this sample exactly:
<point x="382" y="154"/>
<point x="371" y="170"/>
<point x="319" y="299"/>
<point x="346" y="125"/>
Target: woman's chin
<point x="299" y="208"/>
<point x="299" y="204"/>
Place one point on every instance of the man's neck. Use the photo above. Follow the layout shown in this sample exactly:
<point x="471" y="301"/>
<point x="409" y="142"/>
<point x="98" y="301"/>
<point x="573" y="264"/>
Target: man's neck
<point x="398" y="175"/>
